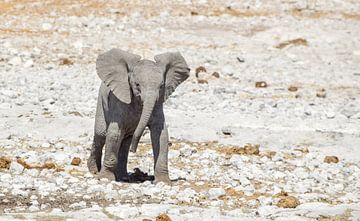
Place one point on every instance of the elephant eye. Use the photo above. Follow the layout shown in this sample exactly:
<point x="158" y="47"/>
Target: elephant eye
<point x="137" y="84"/>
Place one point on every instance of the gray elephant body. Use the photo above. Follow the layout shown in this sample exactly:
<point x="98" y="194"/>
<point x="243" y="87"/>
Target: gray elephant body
<point x="130" y="98"/>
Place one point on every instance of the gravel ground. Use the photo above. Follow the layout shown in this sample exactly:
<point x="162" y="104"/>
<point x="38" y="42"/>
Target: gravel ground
<point x="286" y="149"/>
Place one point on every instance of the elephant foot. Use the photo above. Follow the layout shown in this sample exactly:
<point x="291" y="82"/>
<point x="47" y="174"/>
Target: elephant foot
<point x="91" y="164"/>
<point x="124" y="179"/>
<point x="106" y="173"/>
<point x="162" y="178"/>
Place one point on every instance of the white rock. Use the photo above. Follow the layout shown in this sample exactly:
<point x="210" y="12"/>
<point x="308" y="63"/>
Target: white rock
<point x="46" y="26"/>
<point x="73" y="180"/>
<point x="45" y="145"/>
<point x="215" y="193"/>
<point x="123" y="212"/>
<point x="28" y="63"/>
<point x="95" y="188"/>
<point x="244" y="181"/>
<point x="186" y="195"/>
<point x="16" y="168"/>
<point x="78" y="44"/>
<point x="187" y="151"/>
<point x="15" y="61"/>
<point x="19" y="192"/>
<point x="33" y="208"/>
<point x="6" y="178"/>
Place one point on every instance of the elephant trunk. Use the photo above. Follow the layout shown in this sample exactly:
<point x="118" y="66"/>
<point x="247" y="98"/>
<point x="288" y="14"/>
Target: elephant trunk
<point x="147" y="110"/>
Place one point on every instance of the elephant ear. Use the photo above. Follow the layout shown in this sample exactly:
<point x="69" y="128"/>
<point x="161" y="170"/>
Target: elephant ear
<point x="175" y="68"/>
<point x="113" y="67"/>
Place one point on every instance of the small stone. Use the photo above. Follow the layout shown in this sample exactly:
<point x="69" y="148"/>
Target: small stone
<point x="46" y="26"/>
<point x="29" y="63"/>
<point x="163" y="217"/>
<point x="321" y="93"/>
<point x="78" y="44"/>
<point x="15" y="61"/>
<point x="331" y="159"/>
<point x="33" y="208"/>
<point x="216" y="74"/>
<point x="49" y="165"/>
<point x="45" y="145"/>
<point x="76" y="161"/>
<point x="16" y="168"/>
<point x="226" y="131"/>
<point x="292" y="88"/>
<point x="4" y="163"/>
<point x="66" y="61"/>
<point x="261" y="84"/>
<point x="202" y="81"/>
<point x="240" y="59"/>
<point x="199" y="69"/>
<point x="288" y="202"/>
<point x="215" y="193"/>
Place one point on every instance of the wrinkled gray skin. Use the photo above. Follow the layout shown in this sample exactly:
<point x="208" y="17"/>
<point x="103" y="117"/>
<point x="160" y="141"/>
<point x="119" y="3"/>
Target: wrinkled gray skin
<point x="130" y="98"/>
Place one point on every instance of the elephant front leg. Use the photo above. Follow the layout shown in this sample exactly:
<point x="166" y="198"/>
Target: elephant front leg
<point x="121" y="171"/>
<point x="113" y="141"/>
<point x="160" y="140"/>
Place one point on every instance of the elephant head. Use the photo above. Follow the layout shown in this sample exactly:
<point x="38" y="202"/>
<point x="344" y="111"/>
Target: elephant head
<point x="128" y="77"/>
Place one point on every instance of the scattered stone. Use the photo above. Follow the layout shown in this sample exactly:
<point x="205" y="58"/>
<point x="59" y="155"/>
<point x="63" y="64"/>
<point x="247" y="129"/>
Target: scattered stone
<point x="251" y="149"/>
<point x="296" y="42"/>
<point x="248" y="149"/>
<point x="45" y="145"/>
<point x="198" y="70"/>
<point x="46" y="26"/>
<point x="292" y="88"/>
<point x="163" y="217"/>
<point x="76" y="161"/>
<point x="15" y="61"/>
<point x="288" y="202"/>
<point x="202" y="81"/>
<point x="16" y="168"/>
<point x="75" y="113"/>
<point x="331" y="159"/>
<point x="261" y="84"/>
<point x="49" y="165"/>
<point x="66" y="61"/>
<point x="226" y="131"/>
<point x="215" y="193"/>
<point x="241" y="60"/>
<point x="321" y="93"/>
<point x="216" y="74"/>
<point x="4" y="163"/>
<point x="29" y="63"/>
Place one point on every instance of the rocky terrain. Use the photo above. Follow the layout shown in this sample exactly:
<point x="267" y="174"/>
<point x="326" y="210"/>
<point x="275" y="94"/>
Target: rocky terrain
<point x="267" y="127"/>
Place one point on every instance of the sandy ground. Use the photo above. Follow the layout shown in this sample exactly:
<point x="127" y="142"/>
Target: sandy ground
<point x="239" y="152"/>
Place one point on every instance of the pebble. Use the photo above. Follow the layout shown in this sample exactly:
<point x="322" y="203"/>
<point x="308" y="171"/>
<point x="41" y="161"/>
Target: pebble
<point x="28" y="63"/>
<point x="15" y="61"/>
<point x="16" y="168"/>
<point x="46" y="26"/>
<point x="215" y="193"/>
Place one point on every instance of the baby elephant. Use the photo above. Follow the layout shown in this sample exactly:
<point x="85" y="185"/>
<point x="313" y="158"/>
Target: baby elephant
<point x="131" y="97"/>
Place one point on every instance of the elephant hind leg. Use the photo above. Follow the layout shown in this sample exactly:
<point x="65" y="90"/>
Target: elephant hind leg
<point x="94" y="161"/>
<point x="114" y="137"/>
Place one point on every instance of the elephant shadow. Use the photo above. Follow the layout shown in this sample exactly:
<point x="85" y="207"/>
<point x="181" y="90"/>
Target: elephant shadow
<point x="139" y="176"/>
